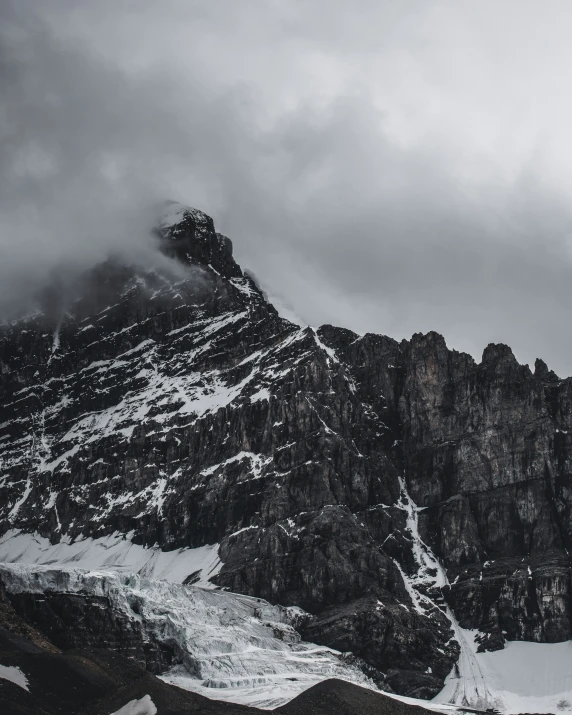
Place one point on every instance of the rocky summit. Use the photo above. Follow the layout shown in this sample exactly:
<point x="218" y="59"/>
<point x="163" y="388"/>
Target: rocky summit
<point x="397" y="492"/>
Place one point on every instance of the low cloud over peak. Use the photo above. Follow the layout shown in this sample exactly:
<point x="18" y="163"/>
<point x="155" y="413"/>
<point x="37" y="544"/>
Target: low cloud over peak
<point x="393" y="168"/>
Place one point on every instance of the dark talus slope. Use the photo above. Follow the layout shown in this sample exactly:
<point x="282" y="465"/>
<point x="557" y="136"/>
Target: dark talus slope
<point x="181" y="410"/>
<point x="337" y="696"/>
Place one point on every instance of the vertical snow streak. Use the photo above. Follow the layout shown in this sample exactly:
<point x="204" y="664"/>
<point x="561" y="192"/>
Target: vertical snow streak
<point x="466" y="684"/>
<point x="56" y="339"/>
<point x="16" y="508"/>
<point x="425" y="558"/>
<point x="56" y="342"/>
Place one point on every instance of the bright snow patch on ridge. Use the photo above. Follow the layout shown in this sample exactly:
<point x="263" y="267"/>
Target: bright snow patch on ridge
<point x="144" y="706"/>
<point x="14" y="675"/>
<point x="523" y="678"/>
<point x="113" y="553"/>
<point x="172" y="214"/>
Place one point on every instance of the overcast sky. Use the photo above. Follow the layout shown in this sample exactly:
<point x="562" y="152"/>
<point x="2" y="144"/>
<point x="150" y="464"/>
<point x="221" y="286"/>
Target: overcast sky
<point x="386" y="166"/>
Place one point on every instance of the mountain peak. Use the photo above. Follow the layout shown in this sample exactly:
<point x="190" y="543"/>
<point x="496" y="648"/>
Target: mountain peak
<point x="173" y="213"/>
<point x="189" y="235"/>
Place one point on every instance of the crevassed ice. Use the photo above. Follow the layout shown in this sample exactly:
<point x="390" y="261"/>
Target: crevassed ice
<point x="227" y="643"/>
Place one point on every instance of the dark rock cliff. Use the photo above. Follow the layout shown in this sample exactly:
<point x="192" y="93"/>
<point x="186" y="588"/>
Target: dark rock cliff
<point x="365" y="480"/>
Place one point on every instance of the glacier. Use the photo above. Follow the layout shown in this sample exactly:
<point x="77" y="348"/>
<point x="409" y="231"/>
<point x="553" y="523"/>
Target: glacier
<point x="225" y="639"/>
<point x="231" y="646"/>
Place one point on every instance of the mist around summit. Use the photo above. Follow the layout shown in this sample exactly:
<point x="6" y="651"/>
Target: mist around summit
<point x="396" y="170"/>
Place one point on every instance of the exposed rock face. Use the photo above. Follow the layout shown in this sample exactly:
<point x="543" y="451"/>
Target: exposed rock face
<point x="485" y="452"/>
<point x="181" y="409"/>
<point x="75" y="621"/>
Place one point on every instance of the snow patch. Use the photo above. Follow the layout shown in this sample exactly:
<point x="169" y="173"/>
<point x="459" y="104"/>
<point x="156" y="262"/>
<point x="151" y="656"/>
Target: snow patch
<point x="144" y="706"/>
<point x="14" y="675"/>
<point x="262" y="394"/>
<point x="175" y="212"/>
<point x="330" y="352"/>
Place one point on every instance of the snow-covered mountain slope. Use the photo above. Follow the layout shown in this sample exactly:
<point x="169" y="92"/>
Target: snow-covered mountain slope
<point x="116" y="553"/>
<point x="167" y="420"/>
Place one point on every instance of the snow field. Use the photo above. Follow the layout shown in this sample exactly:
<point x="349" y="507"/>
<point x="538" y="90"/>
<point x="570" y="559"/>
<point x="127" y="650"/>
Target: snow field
<point x="113" y="553"/>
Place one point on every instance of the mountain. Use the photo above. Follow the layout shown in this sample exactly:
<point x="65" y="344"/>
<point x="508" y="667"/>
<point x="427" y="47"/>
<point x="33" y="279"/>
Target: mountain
<point x="398" y="492"/>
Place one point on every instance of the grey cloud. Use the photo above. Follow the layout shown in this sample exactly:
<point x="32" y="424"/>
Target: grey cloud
<point x="382" y="169"/>
<point x="86" y="154"/>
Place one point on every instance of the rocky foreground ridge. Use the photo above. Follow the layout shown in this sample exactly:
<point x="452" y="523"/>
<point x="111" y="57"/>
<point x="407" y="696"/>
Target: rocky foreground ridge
<point x="390" y="489"/>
